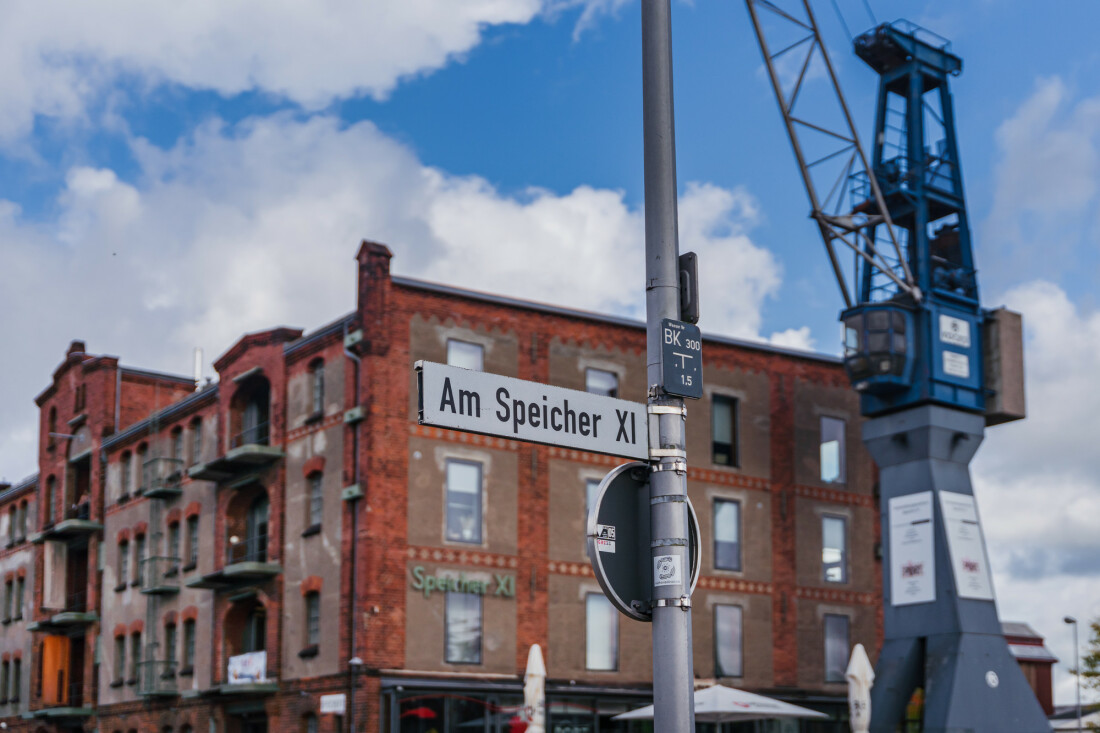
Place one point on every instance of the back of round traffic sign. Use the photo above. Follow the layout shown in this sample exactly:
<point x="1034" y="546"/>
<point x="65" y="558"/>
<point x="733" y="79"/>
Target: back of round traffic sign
<point x="619" y="540"/>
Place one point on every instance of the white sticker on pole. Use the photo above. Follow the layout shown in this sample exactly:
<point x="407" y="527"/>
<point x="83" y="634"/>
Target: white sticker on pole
<point x="955" y="331"/>
<point x="956" y="364"/>
<point x="605" y="538"/>
<point x="667" y="570"/>
<point x="912" y="550"/>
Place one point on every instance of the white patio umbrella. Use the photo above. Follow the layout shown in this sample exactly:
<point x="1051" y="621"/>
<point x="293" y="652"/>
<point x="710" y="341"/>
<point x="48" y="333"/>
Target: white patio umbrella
<point x="534" y="691"/>
<point x="860" y="677"/>
<point x="721" y="704"/>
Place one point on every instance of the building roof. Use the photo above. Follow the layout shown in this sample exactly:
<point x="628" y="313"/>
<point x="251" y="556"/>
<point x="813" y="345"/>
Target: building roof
<point x="602" y="318"/>
<point x="19" y="487"/>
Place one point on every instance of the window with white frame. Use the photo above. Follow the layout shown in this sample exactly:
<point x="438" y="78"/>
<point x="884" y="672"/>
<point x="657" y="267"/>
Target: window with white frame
<point x="834" y="549"/>
<point x="316" y="498"/>
<point x="728" y="651"/>
<point x="463" y="628"/>
<point x="833" y="468"/>
<point x="465" y="354"/>
<point x="463" y="501"/>
<point x="836" y="647"/>
<point x="601" y="382"/>
<point x="601" y="646"/>
<point x="313" y="618"/>
<point x="727" y="534"/>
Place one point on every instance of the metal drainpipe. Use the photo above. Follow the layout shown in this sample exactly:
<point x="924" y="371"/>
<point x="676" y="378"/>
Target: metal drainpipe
<point x="354" y="538"/>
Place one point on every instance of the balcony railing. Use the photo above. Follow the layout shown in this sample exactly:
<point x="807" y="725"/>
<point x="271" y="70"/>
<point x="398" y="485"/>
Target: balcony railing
<point x="160" y="477"/>
<point x="160" y="575"/>
<point x="82" y="510"/>
<point x="251" y="549"/>
<point x="254" y="435"/>
<point x="157" y="678"/>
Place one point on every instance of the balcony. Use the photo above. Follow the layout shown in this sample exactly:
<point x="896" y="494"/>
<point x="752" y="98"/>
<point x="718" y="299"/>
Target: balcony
<point x="157" y="679"/>
<point x="76" y="524"/>
<point x="68" y="706"/>
<point x="76" y="614"/>
<point x="160" y="478"/>
<point x="246" y="676"/>
<point x="160" y="575"/>
<point x="245" y="564"/>
<point x="248" y="452"/>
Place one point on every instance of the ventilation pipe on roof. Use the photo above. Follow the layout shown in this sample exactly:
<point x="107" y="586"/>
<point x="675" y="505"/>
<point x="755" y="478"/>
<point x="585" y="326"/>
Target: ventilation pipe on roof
<point x="198" y="368"/>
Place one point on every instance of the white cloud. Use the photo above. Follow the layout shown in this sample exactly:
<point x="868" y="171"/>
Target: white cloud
<point x="57" y="58"/>
<point x="1047" y="180"/>
<point x="1038" y="480"/>
<point x="239" y="229"/>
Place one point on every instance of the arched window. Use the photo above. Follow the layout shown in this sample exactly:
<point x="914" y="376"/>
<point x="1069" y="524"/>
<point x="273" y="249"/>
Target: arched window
<point x="313" y="618"/>
<point x="255" y="630"/>
<point x="196" y="441"/>
<point x="317" y="385"/>
<point x="309" y="723"/>
<point x="51" y="428"/>
<point x="13" y="518"/>
<point x="50" y="508"/>
<point x="249" y="412"/>
<point x="177" y="443"/>
<point x="127" y="470"/>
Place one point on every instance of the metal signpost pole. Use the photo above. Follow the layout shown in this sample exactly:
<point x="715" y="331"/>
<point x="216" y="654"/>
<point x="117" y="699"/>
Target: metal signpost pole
<point x="672" y="663"/>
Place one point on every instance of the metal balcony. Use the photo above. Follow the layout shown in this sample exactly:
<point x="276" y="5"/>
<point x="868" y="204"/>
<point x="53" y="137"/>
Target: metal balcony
<point x="76" y="524"/>
<point x="157" y="679"/>
<point x="245" y="564"/>
<point x="69" y="705"/>
<point x="76" y="613"/>
<point x="160" y="478"/>
<point x="160" y="575"/>
<point x="249" y="450"/>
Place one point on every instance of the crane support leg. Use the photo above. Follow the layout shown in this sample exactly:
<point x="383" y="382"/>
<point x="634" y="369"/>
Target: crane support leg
<point x="942" y="632"/>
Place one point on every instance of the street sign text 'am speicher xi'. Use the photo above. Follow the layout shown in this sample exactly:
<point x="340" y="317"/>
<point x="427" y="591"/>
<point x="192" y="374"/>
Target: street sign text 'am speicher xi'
<point x="478" y="402"/>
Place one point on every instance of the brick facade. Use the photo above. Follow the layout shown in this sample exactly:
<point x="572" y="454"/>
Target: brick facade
<point x="212" y="519"/>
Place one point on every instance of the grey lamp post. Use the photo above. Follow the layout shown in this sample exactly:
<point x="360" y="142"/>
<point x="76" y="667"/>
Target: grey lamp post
<point x="1076" y="668"/>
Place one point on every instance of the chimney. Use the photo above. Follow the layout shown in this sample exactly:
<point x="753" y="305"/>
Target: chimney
<point x="198" y="368"/>
<point x="76" y="347"/>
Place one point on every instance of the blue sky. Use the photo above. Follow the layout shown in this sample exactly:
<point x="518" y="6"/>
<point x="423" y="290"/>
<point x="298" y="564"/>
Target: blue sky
<point x="173" y="177"/>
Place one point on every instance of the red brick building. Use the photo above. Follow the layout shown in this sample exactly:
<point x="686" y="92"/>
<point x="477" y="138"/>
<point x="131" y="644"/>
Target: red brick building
<point x="222" y="558"/>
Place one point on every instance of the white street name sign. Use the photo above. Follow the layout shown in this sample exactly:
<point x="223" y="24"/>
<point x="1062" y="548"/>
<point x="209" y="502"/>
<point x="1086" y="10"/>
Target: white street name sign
<point x="477" y="402"/>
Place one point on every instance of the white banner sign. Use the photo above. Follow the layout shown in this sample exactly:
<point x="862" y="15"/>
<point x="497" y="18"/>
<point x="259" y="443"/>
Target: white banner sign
<point x="966" y="546"/>
<point x="333" y="704"/>
<point x="912" y="550"/>
<point x="246" y="668"/>
<point x="477" y="402"/>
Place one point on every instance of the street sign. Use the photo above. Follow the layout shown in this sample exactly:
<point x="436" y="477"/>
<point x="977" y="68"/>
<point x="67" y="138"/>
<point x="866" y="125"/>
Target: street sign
<point x="477" y="402"/>
<point x="681" y="359"/>
<point x="619" y="541"/>
<point x="334" y="704"/>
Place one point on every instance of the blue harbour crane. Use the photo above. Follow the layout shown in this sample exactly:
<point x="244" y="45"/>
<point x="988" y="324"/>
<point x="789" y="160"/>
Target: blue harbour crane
<point x="931" y="366"/>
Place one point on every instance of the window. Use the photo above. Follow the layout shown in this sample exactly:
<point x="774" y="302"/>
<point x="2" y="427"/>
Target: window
<point x="313" y="618"/>
<point x="463" y="628"/>
<point x="16" y="680"/>
<point x="466" y="355"/>
<point x="189" y="644"/>
<point x="177" y="443"/>
<point x="464" y="501"/>
<point x="170" y="644"/>
<point x="135" y="655"/>
<point x="196" y="441"/>
<point x="9" y="598"/>
<point x="601" y="621"/>
<point x="834" y="552"/>
<point x="836" y="647"/>
<point x="728" y="652"/>
<point x="727" y="534"/>
<point x="5" y="674"/>
<point x="11" y="525"/>
<point x="51" y="428"/>
<point x="127" y="473"/>
<point x="20" y="589"/>
<point x="173" y="543"/>
<point x="598" y="381"/>
<point x="723" y="426"/>
<point x="591" y="493"/>
<point x="311" y="724"/>
<point x="51" y="498"/>
<point x="193" y="540"/>
<point x="123" y="563"/>
<point x="317" y="386"/>
<point x="315" y="499"/>
<point x="139" y="558"/>
<point x="21" y="521"/>
<point x="120" y="658"/>
<point x="832" y="450"/>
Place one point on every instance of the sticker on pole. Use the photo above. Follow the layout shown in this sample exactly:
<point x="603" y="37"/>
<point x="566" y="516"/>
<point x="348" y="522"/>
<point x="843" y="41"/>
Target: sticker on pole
<point x="605" y="538"/>
<point x="666" y="570"/>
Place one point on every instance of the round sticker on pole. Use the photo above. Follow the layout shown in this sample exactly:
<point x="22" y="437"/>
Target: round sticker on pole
<point x="619" y="542"/>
